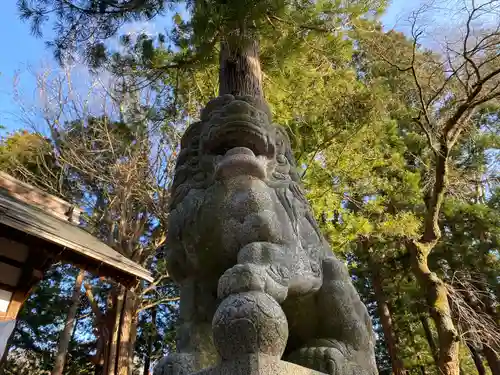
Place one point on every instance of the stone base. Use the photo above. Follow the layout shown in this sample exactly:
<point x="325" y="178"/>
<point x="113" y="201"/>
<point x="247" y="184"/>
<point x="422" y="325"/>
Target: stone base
<point x="257" y="365"/>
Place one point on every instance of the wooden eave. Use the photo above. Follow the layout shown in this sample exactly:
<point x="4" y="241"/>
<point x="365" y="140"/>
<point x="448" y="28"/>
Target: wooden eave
<point x="62" y="240"/>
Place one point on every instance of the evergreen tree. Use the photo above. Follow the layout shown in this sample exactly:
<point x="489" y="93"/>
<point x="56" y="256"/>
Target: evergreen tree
<point x="397" y="147"/>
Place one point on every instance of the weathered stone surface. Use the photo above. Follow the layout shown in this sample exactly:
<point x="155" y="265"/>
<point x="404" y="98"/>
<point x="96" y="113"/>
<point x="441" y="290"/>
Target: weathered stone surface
<point x="257" y="365"/>
<point x="247" y="323"/>
<point x="243" y="239"/>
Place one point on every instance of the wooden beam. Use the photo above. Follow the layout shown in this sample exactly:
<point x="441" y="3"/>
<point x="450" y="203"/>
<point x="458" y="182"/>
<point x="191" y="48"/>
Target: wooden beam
<point x="11" y="262"/>
<point x="16" y="302"/>
<point x="7" y="287"/>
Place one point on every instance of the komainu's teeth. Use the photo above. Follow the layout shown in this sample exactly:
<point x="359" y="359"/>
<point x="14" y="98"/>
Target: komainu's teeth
<point x="240" y="150"/>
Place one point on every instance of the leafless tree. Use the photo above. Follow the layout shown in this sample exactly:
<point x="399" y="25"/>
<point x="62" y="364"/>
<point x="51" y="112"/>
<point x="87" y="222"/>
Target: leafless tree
<point x="448" y="83"/>
<point x="115" y="159"/>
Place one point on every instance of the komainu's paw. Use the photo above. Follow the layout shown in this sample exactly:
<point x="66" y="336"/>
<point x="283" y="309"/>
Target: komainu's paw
<point x="249" y="277"/>
<point x="175" y="364"/>
<point x="327" y="360"/>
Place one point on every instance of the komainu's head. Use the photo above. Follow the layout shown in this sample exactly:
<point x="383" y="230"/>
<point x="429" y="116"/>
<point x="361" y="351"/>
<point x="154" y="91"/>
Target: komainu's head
<point x="233" y="148"/>
<point x="234" y="137"/>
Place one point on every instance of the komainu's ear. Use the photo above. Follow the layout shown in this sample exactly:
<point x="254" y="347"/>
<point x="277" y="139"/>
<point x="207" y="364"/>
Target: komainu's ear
<point x="294" y="175"/>
<point x="194" y="130"/>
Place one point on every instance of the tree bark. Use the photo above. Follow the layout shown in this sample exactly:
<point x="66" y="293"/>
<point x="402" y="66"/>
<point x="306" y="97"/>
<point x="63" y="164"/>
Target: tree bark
<point x="117" y="331"/>
<point x="432" y="286"/>
<point x="103" y="327"/>
<point x="147" y="357"/>
<point x="65" y="337"/>
<point x="133" y="338"/>
<point x="386" y="321"/>
<point x="239" y="69"/>
<point x="112" y="352"/>
<point x="428" y="335"/>
<point x="492" y="359"/>
<point x="125" y="340"/>
<point x="151" y="337"/>
<point x="437" y="299"/>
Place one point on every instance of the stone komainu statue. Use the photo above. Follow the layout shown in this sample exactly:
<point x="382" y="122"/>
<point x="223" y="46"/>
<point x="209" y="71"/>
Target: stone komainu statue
<point x="239" y="222"/>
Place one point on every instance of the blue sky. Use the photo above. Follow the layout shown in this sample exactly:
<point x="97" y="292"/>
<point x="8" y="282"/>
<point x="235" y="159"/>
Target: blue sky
<point x="23" y="53"/>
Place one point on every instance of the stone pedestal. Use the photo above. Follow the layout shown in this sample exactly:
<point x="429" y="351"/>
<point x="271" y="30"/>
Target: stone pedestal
<point x="257" y="364"/>
<point x="250" y="333"/>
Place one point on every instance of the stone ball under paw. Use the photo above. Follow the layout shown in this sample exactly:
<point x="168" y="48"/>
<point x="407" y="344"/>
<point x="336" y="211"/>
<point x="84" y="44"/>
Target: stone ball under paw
<point x="247" y="323"/>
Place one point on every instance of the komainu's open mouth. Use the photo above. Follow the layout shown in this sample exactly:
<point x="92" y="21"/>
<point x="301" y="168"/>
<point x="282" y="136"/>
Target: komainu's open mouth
<point x="245" y="149"/>
<point x="238" y="134"/>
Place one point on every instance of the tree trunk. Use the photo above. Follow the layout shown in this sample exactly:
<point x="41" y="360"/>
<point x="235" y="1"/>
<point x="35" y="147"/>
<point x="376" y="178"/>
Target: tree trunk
<point x="386" y="321"/>
<point x="432" y="286"/>
<point x="65" y="337"/>
<point x="151" y="337"/>
<point x="240" y="72"/>
<point x="133" y="338"/>
<point x="126" y="325"/>
<point x="492" y="359"/>
<point x="102" y="326"/>
<point x="437" y="299"/>
<point x="147" y="357"/>
<point x="118" y="332"/>
<point x="477" y="360"/>
<point x="428" y="335"/>
<point x="112" y="352"/>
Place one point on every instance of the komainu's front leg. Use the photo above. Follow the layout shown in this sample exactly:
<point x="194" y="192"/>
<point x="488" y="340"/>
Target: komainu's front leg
<point x="326" y="356"/>
<point x="345" y="341"/>
<point x="269" y="268"/>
